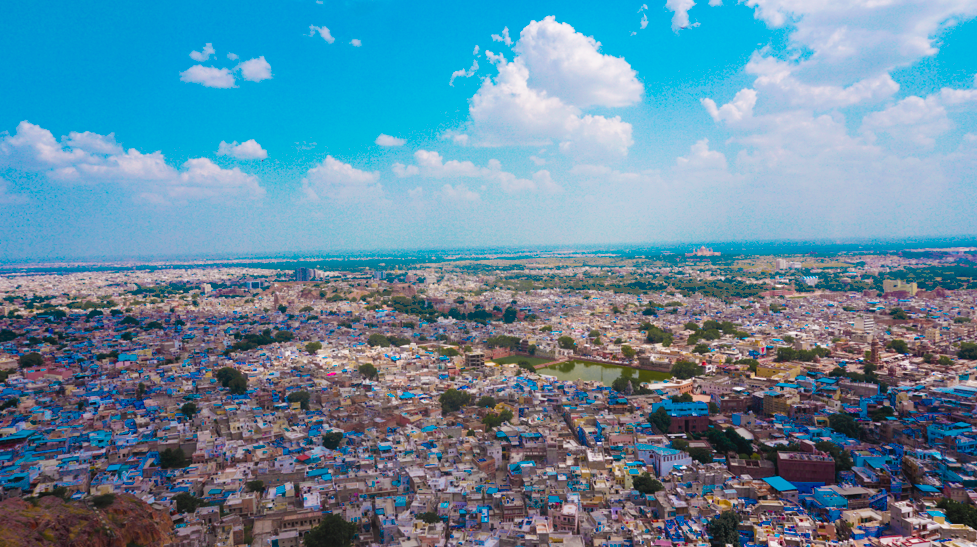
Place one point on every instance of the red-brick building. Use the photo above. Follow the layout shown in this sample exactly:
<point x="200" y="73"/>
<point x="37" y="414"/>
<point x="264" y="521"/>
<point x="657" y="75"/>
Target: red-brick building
<point x="806" y="467"/>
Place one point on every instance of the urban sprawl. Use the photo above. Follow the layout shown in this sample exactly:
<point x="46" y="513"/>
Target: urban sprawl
<point x="563" y="400"/>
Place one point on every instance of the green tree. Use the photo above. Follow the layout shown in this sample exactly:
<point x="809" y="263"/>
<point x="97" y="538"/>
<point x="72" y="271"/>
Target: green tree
<point x="959" y="513"/>
<point x="332" y="439"/>
<point x="713" y="408"/>
<point x="701" y="349"/>
<point x="493" y="420"/>
<point x="188" y="410"/>
<point x="486" y="401"/>
<point x="722" y="530"/>
<point x="173" y="458"/>
<point x="429" y="517"/>
<point x="284" y="336"/>
<point x="368" y="371"/>
<point x="454" y="400"/>
<point x="899" y="314"/>
<point x="628" y="352"/>
<point x="300" y="397"/>
<point x="646" y="484"/>
<point x="313" y="347"/>
<point x="141" y="390"/>
<point x="255" y="486"/>
<point x="752" y="363"/>
<point x="238" y="385"/>
<point x="968" y="351"/>
<point x="332" y="531"/>
<point x="187" y="502"/>
<point x="283" y="308"/>
<point x="898" y="346"/>
<point x="944" y="361"/>
<point x="683" y="398"/>
<point x="565" y="342"/>
<point x="701" y="454"/>
<point x="376" y="339"/>
<point x="30" y="360"/>
<point x="7" y="335"/>
<point x="845" y="424"/>
<point x="526" y="365"/>
<point x="661" y="420"/>
<point x="509" y="315"/>
<point x="686" y="369"/>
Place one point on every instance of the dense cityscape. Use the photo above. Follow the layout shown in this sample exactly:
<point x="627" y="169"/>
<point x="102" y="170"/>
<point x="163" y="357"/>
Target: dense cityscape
<point x="582" y="399"/>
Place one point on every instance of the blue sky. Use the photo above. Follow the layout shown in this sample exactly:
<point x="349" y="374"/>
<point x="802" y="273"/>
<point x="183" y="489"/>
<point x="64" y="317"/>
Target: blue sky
<point x="184" y="128"/>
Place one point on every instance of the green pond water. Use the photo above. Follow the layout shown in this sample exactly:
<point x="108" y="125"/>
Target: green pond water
<point x="581" y="370"/>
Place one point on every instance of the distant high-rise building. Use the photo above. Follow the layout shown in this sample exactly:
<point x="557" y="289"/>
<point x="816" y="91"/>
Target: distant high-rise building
<point x="810" y="280"/>
<point x="307" y="274"/>
<point x="865" y="324"/>
<point x="703" y="251"/>
<point x="782" y="264"/>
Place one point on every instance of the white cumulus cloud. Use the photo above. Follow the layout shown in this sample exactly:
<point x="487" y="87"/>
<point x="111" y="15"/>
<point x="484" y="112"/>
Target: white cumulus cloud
<point x="568" y="73"/>
<point x="459" y="193"/>
<point x="204" y="54"/>
<point x="90" y="158"/>
<point x="462" y="73"/>
<point x="387" y="140"/>
<point x="680" y="13"/>
<point x="323" y="32"/>
<point x="504" y="38"/>
<point x="247" y="150"/>
<point x="355" y="42"/>
<point x="208" y="76"/>
<point x="255" y="70"/>
<point x="334" y="180"/>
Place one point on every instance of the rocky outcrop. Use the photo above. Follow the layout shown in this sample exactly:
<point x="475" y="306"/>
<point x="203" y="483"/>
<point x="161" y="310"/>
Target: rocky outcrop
<point x="50" y="521"/>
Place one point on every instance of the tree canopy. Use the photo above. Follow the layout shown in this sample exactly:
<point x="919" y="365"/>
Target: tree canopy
<point x="332" y="439"/>
<point x="454" y="400"/>
<point x="646" y="484"/>
<point x="722" y="530"/>
<point x="686" y="369"/>
<point x="332" y="531"/>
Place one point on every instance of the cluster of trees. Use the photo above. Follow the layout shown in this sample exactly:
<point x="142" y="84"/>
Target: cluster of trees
<point x="684" y="370"/>
<point x="565" y="342"/>
<point x="7" y="335"/>
<point x="728" y="440"/>
<point x="454" y="400"/>
<point x="187" y="502"/>
<point x="247" y="342"/>
<point x="959" y="513"/>
<point x="332" y="439"/>
<point x="655" y="335"/>
<point x="368" y="371"/>
<point x="332" y="531"/>
<point x="188" y="410"/>
<point x="235" y="382"/>
<point x="30" y="360"/>
<point x="722" y="530"/>
<point x="845" y="424"/>
<point x="899" y="314"/>
<point x="376" y="339"/>
<point x="503" y="341"/>
<point x="300" y="397"/>
<point x="429" y="517"/>
<point x="493" y="420"/>
<point x="968" y="351"/>
<point x="646" y="484"/>
<point x="898" y="346"/>
<point x="661" y="420"/>
<point x="628" y="352"/>
<point x="786" y="353"/>
<point x="486" y="401"/>
<point x="173" y="458"/>
<point x="713" y="330"/>
<point x="869" y="376"/>
<point x="526" y="365"/>
<point x="313" y="347"/>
